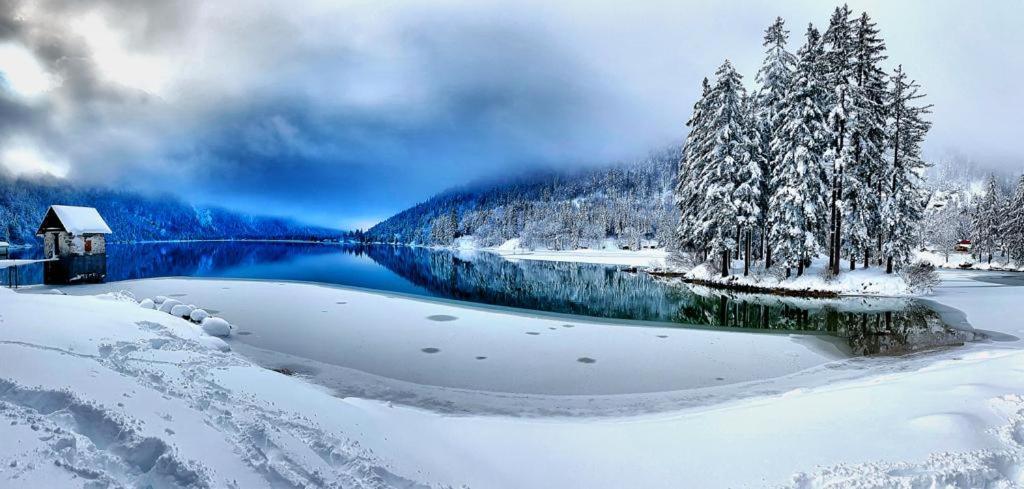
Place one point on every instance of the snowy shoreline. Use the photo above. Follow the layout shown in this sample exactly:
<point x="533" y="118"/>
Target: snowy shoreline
<point x="183" y="414"/>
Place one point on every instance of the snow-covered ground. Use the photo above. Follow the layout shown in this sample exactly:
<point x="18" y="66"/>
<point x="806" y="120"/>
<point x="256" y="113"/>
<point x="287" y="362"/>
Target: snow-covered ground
<point x="957" y="260"/>
<point x="607" y="254"/>
<point x="97" y="390"/>
<point x="862" y="281"/>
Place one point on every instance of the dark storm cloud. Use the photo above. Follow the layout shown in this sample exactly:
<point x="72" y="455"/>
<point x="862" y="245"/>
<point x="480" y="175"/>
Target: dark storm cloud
<point x="345" y="113"/>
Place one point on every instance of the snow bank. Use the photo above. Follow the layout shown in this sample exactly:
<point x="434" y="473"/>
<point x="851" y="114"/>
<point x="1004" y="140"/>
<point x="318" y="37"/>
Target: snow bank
<point x="141" y="401"/>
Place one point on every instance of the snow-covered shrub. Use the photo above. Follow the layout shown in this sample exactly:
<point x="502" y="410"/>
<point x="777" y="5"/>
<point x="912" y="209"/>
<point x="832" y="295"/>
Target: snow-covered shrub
<point x="681" y="261"/>
<point x="198" y="315"/>
<point x="147" y="304"/>
<point x="168" y="304"/>
<point x="181" y="311"/>
<point x="159" y="299"/>
<point x="921" y="277"/>
<point x="216" y="327"/>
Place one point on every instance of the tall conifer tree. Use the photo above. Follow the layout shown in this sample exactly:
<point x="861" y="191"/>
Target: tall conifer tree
<point x="903" y="204"/>
<point x="798" y="209"/>
<point x="773" y="81"/>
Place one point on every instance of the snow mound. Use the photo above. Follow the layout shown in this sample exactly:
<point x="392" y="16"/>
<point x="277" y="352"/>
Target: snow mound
<point x="198" y="315"/>
<point x="147" y="304"/>
<point x="182" y="311"/>
<point x="168" y="304"/>
<point x="216" y="327"/>
<point x="160" y="299"/>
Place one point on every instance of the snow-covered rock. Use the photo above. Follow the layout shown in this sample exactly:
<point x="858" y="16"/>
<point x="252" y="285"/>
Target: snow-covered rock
<point x="198" y="315"/>
<point x="159" y="299"/>
<point x="181" y="310"/>
<point x="168" y="304"/>
<point x="216" y="327"/>
<point x="147" y="304"/>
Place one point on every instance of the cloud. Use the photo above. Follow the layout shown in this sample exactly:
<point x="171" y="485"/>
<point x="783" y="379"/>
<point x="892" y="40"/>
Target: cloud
<point x="337" y="113"/>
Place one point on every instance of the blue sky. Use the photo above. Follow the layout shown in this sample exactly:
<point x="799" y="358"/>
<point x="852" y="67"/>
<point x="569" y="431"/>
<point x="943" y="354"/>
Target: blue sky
<point x="341" y="113"/>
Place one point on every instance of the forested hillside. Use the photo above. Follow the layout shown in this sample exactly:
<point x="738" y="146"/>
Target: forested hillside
<point x="134" y="217"/>
<point x="630" y="202"/>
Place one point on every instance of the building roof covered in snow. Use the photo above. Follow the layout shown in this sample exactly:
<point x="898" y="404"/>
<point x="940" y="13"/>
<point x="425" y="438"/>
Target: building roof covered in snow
<point x="4" y="244"/>
<point x="75" y="220"/>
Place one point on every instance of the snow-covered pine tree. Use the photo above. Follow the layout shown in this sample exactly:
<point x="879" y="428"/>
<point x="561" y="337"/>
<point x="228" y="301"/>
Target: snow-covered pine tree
<point x="986" y="221"/>
<point x="749" y="184"/>
<point x="692" y="166"/>
<point x="773" y="80"/>
<point x="867" y="129"/>
<point x="730" y="149"/>
<point x="1013" y="227"/>
<point x="798" y="204"/>
<point x="904" y="200"/>
<point x="838" y="66"/>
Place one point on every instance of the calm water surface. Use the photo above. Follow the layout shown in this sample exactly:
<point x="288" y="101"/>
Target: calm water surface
<point x="870" y="326"/>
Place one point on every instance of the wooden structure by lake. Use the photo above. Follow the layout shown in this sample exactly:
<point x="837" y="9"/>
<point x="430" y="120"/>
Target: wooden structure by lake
<point x="74" y="243"/>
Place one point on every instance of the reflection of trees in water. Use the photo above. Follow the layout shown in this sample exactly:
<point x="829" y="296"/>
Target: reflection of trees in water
<point x="911" y="328"/>
<point x="584" y="289"/>
<point x="869" y="326"/>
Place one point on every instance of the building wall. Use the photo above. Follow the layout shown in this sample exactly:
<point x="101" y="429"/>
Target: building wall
<point x="73" y="245"/>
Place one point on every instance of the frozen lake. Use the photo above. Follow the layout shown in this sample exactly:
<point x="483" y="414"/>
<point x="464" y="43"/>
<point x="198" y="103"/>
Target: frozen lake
<point x="868" y="326"/>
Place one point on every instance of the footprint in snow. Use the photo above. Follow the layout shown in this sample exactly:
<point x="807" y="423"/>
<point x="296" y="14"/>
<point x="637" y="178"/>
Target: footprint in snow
<point x="662" y="336"/>
<point x="481" y="358"/>
<point x="430" y="350"/>
<point x="566" y="325"/>
<point x="532" y="333"/>
<point x="585" y="360"/>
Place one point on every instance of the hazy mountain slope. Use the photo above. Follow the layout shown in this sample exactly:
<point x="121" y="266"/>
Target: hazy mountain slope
<point x="134" y="217"/>
<point x="555" y="209"/>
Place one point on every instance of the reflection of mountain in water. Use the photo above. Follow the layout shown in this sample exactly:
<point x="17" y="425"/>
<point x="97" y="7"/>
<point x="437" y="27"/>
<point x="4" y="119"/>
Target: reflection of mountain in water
<point x="870" y="326"/>
<point x="184" y="259"/>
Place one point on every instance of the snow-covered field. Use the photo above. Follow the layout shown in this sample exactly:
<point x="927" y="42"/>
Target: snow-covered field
<point x="98" y="391"/>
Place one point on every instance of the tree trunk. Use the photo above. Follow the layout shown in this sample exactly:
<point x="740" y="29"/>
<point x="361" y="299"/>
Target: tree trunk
<point x="853" y="263"/>
<point x="879" y="250"/>
<point x="838" y="195"/>
<point x="888" y="265"/>
<point x="746" y="260"/>
<point x="866" y="258"/>
<point x="725" y="263"/>
<point x="800" y="268"/>
<point x="787" y="272"/>
<point x="768" y="255"/>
